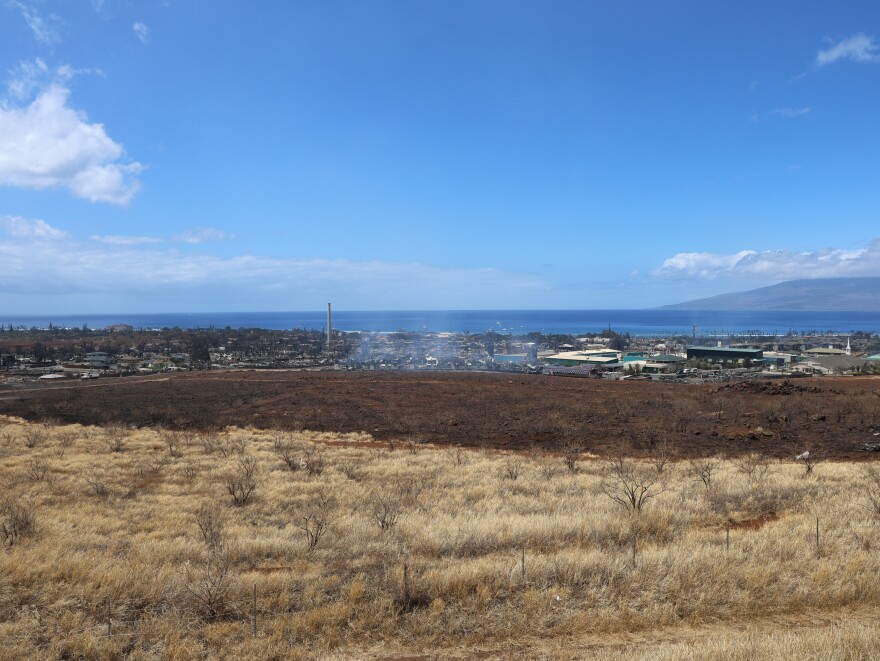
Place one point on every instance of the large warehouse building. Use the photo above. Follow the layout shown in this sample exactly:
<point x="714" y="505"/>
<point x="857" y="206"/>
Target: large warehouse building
<point x="721" y="354"/>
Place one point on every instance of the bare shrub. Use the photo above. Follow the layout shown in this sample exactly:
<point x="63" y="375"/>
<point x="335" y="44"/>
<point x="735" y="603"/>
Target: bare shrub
<point x="703" y="469"/>
<point x="288" y="454"/>
<point x="809" y="459"/>
<point x="115" y="438"/>
<point x="312" y="461"/>
<point x="350" y="470"/>
<point x="661" y="453"/>
<point x="872" y="491"/>
<point x="209" y="443"/>
<point x="571" y="454"/>
<point x="315" y="521"/>
<point x="385" y="510"/>
<point x="753" y="466"/>
<point x="36" y="469"/>
<point x="548" y="468"/>
<point x="97" y="483"/>
<point x="241" y="482"/>
<point x="172" y="442"/>
<point x="210" y="582"/>
<point x="630" y="484"/>
<point x="17" y="520"/>
<point x="511" y="469"/>
<point x="211" y="523"/>
<point x="33" y="436"/>
<point x="457" y="455"/>
<point x="191" y="469"/>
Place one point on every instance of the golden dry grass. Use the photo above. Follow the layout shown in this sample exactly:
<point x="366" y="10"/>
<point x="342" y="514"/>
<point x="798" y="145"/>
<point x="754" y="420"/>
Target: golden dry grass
<point x="116" y="516"/>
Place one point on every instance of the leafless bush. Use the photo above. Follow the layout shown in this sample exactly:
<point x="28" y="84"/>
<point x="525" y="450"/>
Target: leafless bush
<point x="116" y="439"/>
<point x="412" y="447"/>
<point x="211" y="523"/>
<point x="210" y="582"/>
<point x="172" y="441"/>
<point x="209" y="443"/>
<point x="630" y="484"/>
<point x="17" y="520"/>
<point x="385" y="510"/>
<point x="191" y="469"/>
<point x="350" y="470"/>
<point x="97" y="484"/>
<point x="809" y="459"/>
<point x="315" y="522"/>
<point x="571" y="454"/>
<point x="703" y="469"/>
<point x="288" y="454"/>
<point x="753" y="466"/>
<point x="9" y="437"/>
<point x="661" y="454"/>
<point x="872" y="491"/>
<point x="281" y="440"/>
<point x="548" y="468"/>
<point x="312" y="461"/>
<point x="241" y="482"/>
<point x="36" y="469"/>
<point x="33" y="436"/>
<point x="457" y="455"/>
<point x="512" y="468"/>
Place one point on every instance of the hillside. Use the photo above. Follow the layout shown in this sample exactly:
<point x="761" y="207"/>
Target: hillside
<point x="820" y="294"/>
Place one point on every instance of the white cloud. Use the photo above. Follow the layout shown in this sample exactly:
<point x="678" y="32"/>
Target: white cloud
<point x="203" y="235"/>
<point x="860" y="48"/>
<point x="775" y="265"/>
<point x="43" y="29"/>
<point x="118" y="240"/>
<point x="23" y="228"/>
<point x="792" y="112"/>
<point x="141" y="31"/>
<point x="141" y="273"/>
<point x="45" y="143"/>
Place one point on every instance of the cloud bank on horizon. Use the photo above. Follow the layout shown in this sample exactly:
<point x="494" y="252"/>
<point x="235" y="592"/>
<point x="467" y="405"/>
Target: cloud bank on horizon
<point x="166" y="164"/>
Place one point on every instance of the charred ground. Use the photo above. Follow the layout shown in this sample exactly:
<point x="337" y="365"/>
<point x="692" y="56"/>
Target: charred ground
<point x="831" y="417"/>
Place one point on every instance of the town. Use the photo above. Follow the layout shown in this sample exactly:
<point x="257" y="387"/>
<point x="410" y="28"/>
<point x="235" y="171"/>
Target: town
<point x="31" y="355"/>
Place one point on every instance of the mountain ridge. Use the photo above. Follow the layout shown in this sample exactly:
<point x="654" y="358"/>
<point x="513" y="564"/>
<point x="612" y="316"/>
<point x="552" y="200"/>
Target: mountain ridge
<point x="820" y="294"/>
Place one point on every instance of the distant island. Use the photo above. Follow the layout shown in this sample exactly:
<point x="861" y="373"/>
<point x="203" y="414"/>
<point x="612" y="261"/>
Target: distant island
<point x="826" y="294"/>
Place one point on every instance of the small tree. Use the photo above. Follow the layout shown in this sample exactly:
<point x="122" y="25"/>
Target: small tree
<point x="703" y="469"/>
<point x="630" y="484"/>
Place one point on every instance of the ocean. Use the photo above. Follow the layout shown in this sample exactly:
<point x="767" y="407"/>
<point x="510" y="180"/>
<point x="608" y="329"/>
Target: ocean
<point x="634" y="322"/>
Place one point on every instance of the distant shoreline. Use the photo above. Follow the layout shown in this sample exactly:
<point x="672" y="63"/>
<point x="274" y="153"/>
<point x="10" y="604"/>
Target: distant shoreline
<point x="642" y="323"/>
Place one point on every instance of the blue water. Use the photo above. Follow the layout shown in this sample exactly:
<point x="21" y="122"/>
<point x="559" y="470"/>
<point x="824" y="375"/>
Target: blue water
<point x="635" y="322"/>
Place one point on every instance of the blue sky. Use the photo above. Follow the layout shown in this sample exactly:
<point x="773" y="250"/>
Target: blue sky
<point x="188" y="155"/>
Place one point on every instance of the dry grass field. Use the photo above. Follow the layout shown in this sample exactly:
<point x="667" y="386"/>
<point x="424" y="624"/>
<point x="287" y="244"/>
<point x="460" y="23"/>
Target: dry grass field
<point x="152" y="544"/>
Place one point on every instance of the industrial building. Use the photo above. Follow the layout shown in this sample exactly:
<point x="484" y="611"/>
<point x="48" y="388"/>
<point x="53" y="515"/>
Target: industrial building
<point x="723" y="354"/>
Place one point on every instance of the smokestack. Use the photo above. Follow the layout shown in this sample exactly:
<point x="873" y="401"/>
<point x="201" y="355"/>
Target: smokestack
<point x="329" y="324"/>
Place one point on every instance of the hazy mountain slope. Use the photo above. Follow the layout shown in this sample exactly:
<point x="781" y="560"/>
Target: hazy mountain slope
<point x="819" y="294"/>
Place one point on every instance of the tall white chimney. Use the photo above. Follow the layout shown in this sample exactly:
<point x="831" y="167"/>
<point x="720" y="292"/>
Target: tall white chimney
<point x="329" y="324"/>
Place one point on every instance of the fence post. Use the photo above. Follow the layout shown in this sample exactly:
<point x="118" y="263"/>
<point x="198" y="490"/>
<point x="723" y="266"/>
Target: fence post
<point x="109" y="600"/>
<point x="523" y="562"/>
<point x="728" y="538"/>
<point x="255" y="610"/>
<point x="817" y="537"/>
<point x="635" y="535"/>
